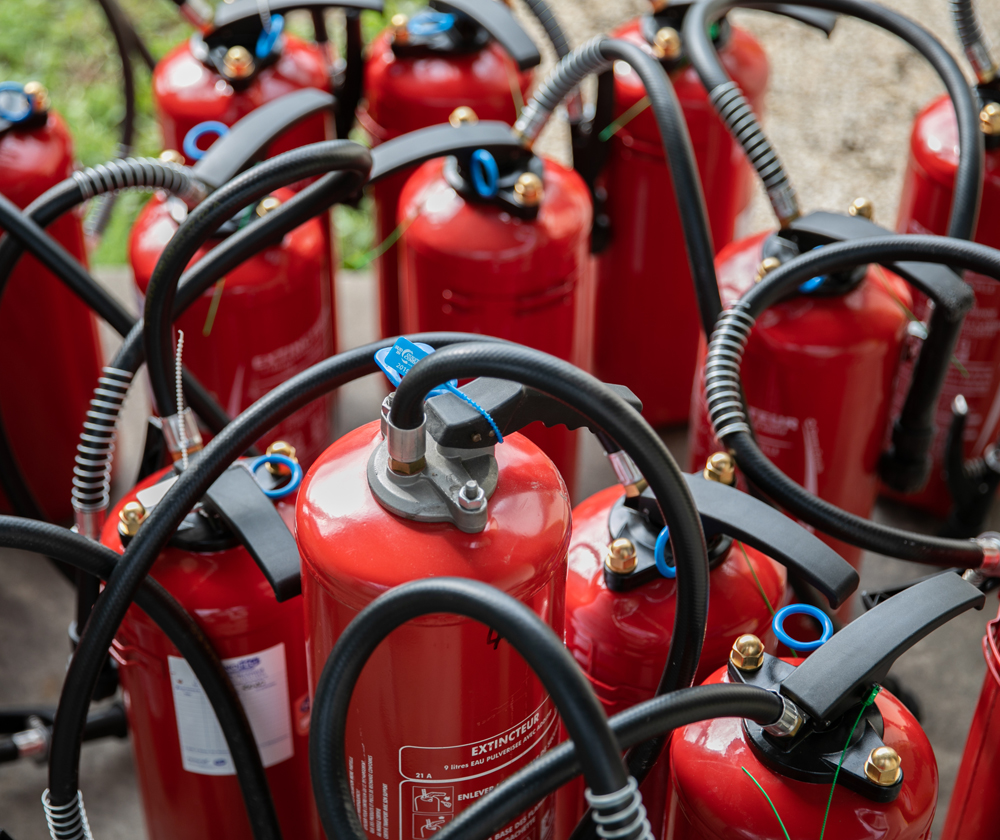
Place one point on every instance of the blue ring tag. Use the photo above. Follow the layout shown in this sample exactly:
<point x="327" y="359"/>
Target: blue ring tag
<point x="15" y="105"/>
<point x="293" y="482"/>
<point x="195" y="134"/>
<point x="396" y="361"/>
<point x="660" y="554"/>
<point x="430" y="23"/>
<point x="267" y="40"/>
<point x="485" y="173"/>
<point x="778" y="624"/>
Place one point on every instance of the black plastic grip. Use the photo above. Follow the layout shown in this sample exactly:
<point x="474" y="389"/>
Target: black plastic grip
<point x="726" y="510"/>
<point x="500" y="22"/>
<point x="840" y="674"/>
<point x="241" y="504"/>
<point x="437" y="141"/>
<point x="227" y="14"/>
<point x="249" y="138"/>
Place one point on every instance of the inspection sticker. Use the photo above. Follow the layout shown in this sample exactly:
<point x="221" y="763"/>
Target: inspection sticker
<point x="262" y="684"/>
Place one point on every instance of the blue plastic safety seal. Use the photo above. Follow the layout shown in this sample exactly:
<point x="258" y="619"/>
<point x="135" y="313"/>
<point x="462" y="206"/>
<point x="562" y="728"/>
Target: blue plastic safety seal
<point x="430" y="23"/>
<point x="195" y="134"/>
<point x="778" y="624"/>
<point x="289" y="486"/>
<point x="396" y="361"/>
<point x="266" y="40"/>
<point x="660" y="554"/>
<point x="485" y="173"/>
<point x="15" y="105"/>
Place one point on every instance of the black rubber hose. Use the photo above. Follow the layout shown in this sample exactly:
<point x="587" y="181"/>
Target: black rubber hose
<point x="187" y="637"/>
<point x="202" y="222"/>
<point x="969" y="173"/>
<point x="729" y="413"/>
<point x="542" y="650"/>
<point x="683" y="173"/>
<point x="644" y="721"/>
<point x="350" y="92"/>
<point x="142" y="552"/>
<point x="974" y="41"/>
<point x="550" y="23"/>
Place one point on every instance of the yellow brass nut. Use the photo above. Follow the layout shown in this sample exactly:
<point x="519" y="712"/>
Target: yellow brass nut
<point x="238" y="62"/>
<point x="172" y="156"/>
<point x="989" y="118"/>
<point x="281" y="447"/>
<point x="130" y="517"/>
<point x="767" y="265"/>
<point x="407" y="467"/>
<point x="862" y="207"/>
<point x="747" y="653"/>
<point x="267" y="205"/>
<point x="400" y="32"/>
<point x="720" y="467"/>
<point x="39" y="95"/>
<point x="667" y="43"/>
<point x="882" y="766"/>
<point x="529" y="190"/>
<point x="463" y="115"/>
<point x="621" y="558"/>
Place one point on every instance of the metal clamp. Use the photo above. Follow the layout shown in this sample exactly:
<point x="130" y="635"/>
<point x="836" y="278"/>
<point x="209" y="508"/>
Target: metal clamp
<point x="406" y="448"/>
<point x="790" y="721"/>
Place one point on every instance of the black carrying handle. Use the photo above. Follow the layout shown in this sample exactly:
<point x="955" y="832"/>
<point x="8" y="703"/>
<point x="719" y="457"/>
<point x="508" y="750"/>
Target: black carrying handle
<point x="249" y="138"/>
<point x="455" y="423"/>
<point x="726" y="510"/>
<point x="229" y="14"/>
<point x="906" y="466"/>
<point x="438" y="141"/>
<point x="239" y="501"/>
<point x="840" y="674"/>
<point x="500" y="22"/>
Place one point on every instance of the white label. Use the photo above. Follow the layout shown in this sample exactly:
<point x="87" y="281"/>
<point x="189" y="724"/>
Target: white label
<point x="262" y="685"/>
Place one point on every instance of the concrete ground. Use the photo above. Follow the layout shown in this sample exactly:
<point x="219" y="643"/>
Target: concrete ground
<point x="839" y="114"/>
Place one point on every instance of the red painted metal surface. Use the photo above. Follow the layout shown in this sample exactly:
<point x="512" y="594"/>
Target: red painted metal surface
<point x="972" y="810"/>
<point x="475" y="268"/>
<point x="924" y="207"/>
<point x="186" y="92"/>
<point x="620" y="639"/>
<point x="818" y="374"/>
<point x="48" y="338"/>
<point x="403" y="94"/>
<point x="268" y="319"/>
<point x="645" y="294"/>
<point x="710" y="797"/>
<point x="228" y="596"/>
<point x="434" y="710"/>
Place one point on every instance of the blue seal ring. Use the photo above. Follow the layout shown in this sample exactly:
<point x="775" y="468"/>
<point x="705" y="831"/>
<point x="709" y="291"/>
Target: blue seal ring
<point x="195" y="134"/>
<point x="485" y="173"/>
<point x="19" y="116"/>
<point x="430" y="23"/>
<point x="267" y="40"/>
<point x="293" y="483"/>
<point x="660" y="554"/>
<point x="778" y="624"/>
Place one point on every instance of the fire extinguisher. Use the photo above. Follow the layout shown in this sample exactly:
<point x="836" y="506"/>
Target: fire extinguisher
<point x="637" y="221"/>
<point x="57" y="350"/>
<point x="620" y="591"/>
<point x="928" y="191"/>
<point x="242" y="60"/>
<point x="233" y="565"/>
<point x="468" y="54"/>
<point x="274" y="314"/>
<point x="834" y="353"/>
<point x="842" y="758"/>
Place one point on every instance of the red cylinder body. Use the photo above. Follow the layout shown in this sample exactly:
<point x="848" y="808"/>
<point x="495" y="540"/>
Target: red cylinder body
<point x="972" y="811"/>
<point x="710" y="797"/>
<point x="818" y="373"/>
<point x="268" y="319"/>
<point x="436" y="711"/>
<point x="48" y="337"/>
<point x="633" y="287"/>
<point x="187" y="92"/>
<point x="405" y="93"/>
<point x="475" y="268"/>
<point x="620" y="639"/>
<point x="924" y="208"/>
<point x="186" y="778"/>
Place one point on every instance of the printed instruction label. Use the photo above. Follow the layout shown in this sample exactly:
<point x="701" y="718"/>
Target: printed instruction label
<point x="261" y="682"/>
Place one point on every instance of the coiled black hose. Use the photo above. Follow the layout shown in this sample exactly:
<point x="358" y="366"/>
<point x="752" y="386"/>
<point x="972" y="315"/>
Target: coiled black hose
<point x="743" y="124"/>
<point x="616" y="419"/>
<point x="543" y="651"/>
<point x="550" y="23"/>
<point x="974" y="41"/>
<point x="142" y="552"/>
<point x="640" y="723"/>
<point x="100" y="561"/>
<point x="202" y="222"/>
<point x="729" y="415"/>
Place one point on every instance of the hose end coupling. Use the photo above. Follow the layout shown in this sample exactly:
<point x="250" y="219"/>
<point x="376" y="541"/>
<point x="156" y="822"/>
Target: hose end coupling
<point x="407" y="448"/>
